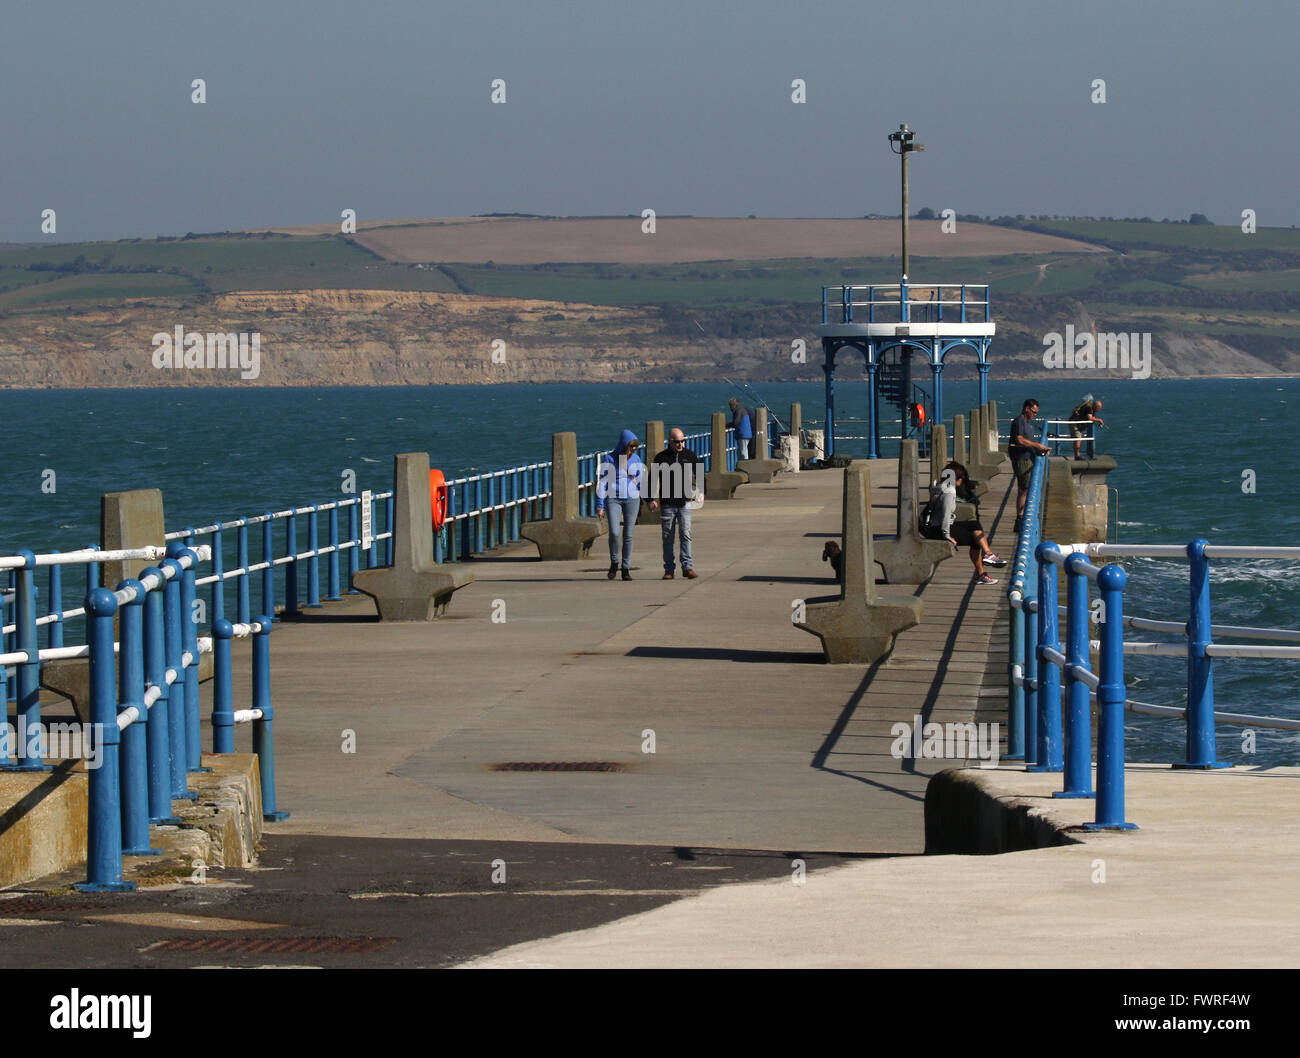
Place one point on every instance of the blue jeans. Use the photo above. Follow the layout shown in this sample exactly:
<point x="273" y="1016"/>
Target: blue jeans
<point x="678" y="518"/>
<point x="622" y="520"/>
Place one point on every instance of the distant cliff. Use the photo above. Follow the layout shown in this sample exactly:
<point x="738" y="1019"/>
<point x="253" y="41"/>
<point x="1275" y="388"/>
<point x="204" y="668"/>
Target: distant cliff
<point x="375" y="337"/>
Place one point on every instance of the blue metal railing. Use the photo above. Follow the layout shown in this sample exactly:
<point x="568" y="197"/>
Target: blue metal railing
<point x="1057" y="437"/>
<point x="487" y="510"/>
<point x="897" y="303"/>
<point x="1037" y="661"/>
<point x="144" y="712"/>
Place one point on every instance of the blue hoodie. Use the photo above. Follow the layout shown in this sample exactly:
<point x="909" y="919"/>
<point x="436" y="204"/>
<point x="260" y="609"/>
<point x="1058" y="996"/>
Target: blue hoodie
<point x="619" y="471"/>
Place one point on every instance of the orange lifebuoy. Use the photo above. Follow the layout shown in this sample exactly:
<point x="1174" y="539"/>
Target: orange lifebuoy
<point x="918" y="415"/>
<point x="438" y="498"/>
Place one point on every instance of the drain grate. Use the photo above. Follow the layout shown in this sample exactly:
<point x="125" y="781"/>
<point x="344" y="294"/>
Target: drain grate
<point x="267" y="946"/>
<point x="558" y="765"/>
<point x="41" y="906"/>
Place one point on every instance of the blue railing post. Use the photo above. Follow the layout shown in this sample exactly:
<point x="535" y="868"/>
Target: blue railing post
<point x="1201" y="749"/>
<point x="104" y="837"/>
<point x="263" y="737"/>
<point x="1048" y="757"/>
<point x="219" y="571"/>
<point x="1078" y="728"/>
<point x="373" y="559"/>
<point x="478" y="518"/>
<point x="268" y="574"/>
<point x="389" y="519"/>
<point x="291" y="568"/>
<point x="159" y="736"/>
<point x="54" y="632"/>
<point x="1110" y="703"/>
<point x="223" y="713"/>
<point x="354" y="538"/>
<point x="173" y="633"/>
<point x="1031" y="680"/>
<point x="190" y="645"/>
<point x="31" y="733"/>
<point x="134" y="759"/>
<point x="333" y="584"/>
<point x="313" y="561"/>
<point x="244" y="605"/>
<point x="1016" y="691"/>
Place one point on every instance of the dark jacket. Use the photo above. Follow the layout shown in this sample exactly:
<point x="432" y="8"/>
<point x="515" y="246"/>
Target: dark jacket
<point x="676" y="477"/>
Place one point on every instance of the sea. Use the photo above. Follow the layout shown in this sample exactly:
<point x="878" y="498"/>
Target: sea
<point x="1197" y="458"/>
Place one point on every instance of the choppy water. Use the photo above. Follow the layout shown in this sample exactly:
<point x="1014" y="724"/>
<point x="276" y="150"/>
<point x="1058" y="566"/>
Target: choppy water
<point x="1182" y="448"/>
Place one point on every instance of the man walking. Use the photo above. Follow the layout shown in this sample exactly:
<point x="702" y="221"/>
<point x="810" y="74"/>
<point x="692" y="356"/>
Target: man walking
<point x="675" y="479"/>
<point x="744" y="428"/>
<point x="1022" y="447"/>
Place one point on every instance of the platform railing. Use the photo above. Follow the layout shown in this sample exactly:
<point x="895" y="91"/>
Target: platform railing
<point x="899" y="303"/>
<point x="1057" y="437"/>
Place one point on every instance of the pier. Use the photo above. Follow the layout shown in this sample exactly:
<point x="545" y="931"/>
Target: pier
<point x="628" y="745"/>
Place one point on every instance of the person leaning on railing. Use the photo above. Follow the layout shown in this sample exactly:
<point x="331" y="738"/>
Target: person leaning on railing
<point x="1085" y="419"/>
<point x="1023" y="445"/>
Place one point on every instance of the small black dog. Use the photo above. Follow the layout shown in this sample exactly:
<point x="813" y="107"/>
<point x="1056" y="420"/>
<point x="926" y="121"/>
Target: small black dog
<point x="831" y="553"/>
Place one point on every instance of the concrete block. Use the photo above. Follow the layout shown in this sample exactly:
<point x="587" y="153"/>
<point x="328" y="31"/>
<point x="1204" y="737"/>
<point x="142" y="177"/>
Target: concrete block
<point x="720" y="483"/>
<point x="654" y="444"/>
<point x="907" y="557"/>
<point x="42" y="822"/>
<point x="126" y="520"/>
<point x="762" y="468"/>
<point x="564" y="536"/>
<point x="414" y="587"/>
<point x="796" y="431"/>
<point x="858" y="626"/>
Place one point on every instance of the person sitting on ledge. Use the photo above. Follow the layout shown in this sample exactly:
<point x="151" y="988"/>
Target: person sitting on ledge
<point x="944" y="494"/>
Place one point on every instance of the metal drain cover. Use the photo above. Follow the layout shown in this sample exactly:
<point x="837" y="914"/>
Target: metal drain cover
<point x="558" y="765"/>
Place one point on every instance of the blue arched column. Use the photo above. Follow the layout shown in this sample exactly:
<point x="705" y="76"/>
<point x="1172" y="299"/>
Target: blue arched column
<point x="829" y="368"/>
<point x="936" y="373"/>
<point x="873" y="424"/>
<point x="984" y="377"/>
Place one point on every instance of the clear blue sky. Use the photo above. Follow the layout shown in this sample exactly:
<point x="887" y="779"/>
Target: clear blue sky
<point x="682" y="106"/>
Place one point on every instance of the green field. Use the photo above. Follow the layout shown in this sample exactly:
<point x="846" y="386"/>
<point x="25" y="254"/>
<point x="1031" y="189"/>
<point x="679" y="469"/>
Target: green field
<point x="1215" y="237"/>
<point x="1166" y="275"/>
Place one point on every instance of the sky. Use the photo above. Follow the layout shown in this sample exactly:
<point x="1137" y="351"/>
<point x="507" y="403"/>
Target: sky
<point x="681" y="106"/>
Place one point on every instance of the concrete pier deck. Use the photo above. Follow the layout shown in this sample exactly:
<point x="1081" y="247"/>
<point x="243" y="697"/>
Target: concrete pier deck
<point x="387" y="737"/>
<point x="758" y="743"/>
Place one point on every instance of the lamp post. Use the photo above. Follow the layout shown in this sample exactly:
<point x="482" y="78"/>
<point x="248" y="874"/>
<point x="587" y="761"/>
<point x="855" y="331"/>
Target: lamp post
<point x="904" y="137"/>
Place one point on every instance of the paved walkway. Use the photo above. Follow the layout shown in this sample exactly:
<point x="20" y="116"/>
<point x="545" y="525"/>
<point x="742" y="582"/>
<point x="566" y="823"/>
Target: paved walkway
<point x="1208" y="881"/>
<point x="758" y="743"/>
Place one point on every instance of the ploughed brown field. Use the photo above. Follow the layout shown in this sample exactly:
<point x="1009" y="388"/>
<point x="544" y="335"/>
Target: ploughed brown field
<point x="513" y="240"/>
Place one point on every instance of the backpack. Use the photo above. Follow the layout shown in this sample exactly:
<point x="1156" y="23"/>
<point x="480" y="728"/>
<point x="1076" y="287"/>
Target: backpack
<point x="930" y="519"/>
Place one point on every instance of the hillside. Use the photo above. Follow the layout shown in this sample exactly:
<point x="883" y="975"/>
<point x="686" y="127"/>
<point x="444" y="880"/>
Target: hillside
<point x="331" y="311"/>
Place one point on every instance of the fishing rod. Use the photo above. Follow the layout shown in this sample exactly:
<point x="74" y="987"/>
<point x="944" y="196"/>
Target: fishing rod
<point x="751" y="393"/>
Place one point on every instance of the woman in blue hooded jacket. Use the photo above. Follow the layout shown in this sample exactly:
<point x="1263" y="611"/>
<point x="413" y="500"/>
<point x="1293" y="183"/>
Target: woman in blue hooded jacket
<point x="618" y="495"/>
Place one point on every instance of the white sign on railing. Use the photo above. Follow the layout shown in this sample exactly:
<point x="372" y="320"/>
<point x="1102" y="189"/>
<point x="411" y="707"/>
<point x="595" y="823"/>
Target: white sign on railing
<point x="367" y="523"/>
